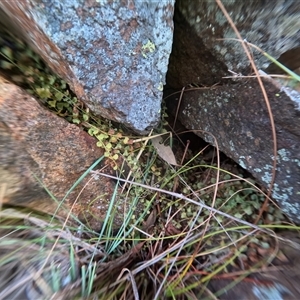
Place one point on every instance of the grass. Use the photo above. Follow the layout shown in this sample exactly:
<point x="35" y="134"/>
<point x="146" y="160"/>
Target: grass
<point x="175" y="255"/>
<point x="200" y="221"/>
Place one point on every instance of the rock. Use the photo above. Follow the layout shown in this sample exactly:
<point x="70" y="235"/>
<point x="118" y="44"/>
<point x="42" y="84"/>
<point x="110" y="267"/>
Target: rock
<point x="190" y="61"/>
<point x="236" y="115"/>
<point x="279" y="281"/>
<point x="113" y="54"/>
<point x="203" y="52"/>
<point x="38" y="145"/>
<point x="235" y="112"/>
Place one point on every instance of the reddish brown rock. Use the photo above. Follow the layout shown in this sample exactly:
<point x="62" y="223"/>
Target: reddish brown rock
<point x="36" y="144"/>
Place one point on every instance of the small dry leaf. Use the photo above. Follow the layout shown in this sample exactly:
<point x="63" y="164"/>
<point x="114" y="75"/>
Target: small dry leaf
<point x="282" y="257"/>
<point x="164" y="152"/>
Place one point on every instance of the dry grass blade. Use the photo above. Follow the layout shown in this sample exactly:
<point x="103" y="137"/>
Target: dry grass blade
<point x="178" y="106"/>
<point x="31" y="268"/>
<point x="3" y="188"/>
<point x="133" y="283"/>
<point x="180" y="196"/>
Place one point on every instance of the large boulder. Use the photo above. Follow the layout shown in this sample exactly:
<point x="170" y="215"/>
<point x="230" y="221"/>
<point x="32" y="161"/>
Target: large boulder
<point x="114" y="54"/>
<point x="234" y="111"/>
<point x="204" y="49"/>
<point x="40" y="151"/>
<point x="237" y="116"/>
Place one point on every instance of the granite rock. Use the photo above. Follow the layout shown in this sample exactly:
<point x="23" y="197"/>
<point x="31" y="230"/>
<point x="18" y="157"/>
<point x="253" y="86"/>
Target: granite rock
<point x="113" y="54"/>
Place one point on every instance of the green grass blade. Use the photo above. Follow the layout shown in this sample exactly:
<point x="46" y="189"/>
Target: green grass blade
<point x="281" y="66"/>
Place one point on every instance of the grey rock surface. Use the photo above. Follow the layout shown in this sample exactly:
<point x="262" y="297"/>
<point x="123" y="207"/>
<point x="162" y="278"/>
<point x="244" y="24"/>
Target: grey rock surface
<point x="204" y="49"/>
<point x="114" y="54"/>
<point x="236" y="115"/>
<point x="271" y="25"/>
<point x="203" y="53"/>
<point x="280" y="282"/>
